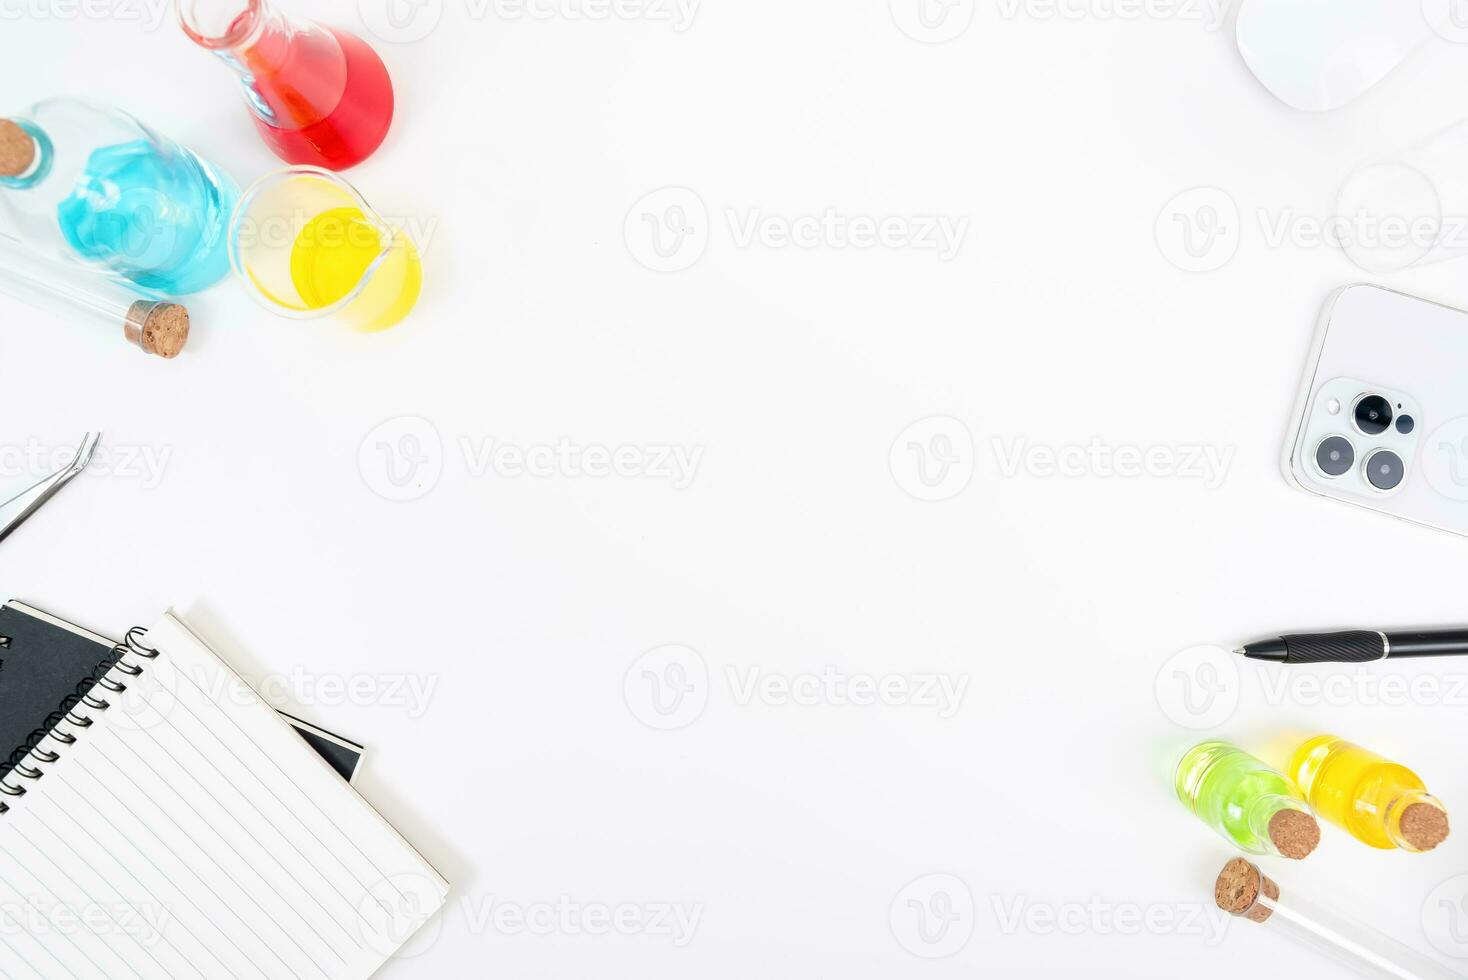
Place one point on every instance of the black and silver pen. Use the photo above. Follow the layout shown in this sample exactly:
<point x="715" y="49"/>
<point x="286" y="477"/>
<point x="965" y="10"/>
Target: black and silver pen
<point x="1358" y="646"/>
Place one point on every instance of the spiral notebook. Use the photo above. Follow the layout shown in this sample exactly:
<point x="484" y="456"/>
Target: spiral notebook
<point x="41" y="658"/>
<point x="172" y="825"/>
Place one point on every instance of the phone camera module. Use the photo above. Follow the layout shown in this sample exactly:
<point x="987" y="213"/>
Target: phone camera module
<point x="1335" y="456"/>
<point x="1385" y="470"/>
<point x="1373" y="415"/>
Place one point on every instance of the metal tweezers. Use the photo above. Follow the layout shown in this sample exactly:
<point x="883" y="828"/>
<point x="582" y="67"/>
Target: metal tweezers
<point x="15" y="511"/>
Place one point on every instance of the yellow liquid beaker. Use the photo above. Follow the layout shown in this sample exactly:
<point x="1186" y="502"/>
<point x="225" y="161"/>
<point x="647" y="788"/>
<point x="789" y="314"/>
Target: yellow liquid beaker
<point x="305" y="244"/>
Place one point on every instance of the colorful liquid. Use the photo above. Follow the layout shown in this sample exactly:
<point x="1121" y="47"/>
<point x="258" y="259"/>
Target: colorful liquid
<point x="1367" y="795"/>
<point x="1239" y="796"/>
<point x="291" y="110"/>
<point x="341" y="253"/>
<point x="157" y="216"/>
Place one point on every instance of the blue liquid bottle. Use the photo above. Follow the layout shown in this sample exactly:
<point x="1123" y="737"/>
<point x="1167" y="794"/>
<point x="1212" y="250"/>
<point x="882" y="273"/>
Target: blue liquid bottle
<point x="94" y="183"/>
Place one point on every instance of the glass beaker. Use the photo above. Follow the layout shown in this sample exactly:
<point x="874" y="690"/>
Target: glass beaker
<point x="318" y="95"/>
<point x="305" y="244"/>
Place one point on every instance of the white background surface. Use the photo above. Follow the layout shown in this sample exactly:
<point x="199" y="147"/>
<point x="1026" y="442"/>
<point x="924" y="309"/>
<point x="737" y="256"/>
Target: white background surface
<point x="792" y="829"/>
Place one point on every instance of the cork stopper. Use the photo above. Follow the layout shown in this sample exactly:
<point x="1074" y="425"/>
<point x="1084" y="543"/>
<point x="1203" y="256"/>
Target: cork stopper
<point x="1238" y="887"/>
<point x="17" y="149"/>
<point x="1424" y="826"/>
<point x="158" y="328"/>
<point x="1295" y="833"/>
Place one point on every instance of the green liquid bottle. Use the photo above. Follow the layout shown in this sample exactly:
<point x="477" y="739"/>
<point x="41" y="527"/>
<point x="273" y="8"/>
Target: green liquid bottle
<point x="1247" y="802"/>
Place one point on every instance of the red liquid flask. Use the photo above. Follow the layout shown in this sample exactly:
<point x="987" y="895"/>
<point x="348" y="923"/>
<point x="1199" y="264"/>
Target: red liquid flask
<point x="318" y="96"/>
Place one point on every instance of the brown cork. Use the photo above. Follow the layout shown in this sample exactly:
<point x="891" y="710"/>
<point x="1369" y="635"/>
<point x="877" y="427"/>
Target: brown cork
<point x="1295" y="833"/>
<point x="1238" y="887"/>
<point x="158" y="328"/>
<point x="17" y="149"/>
<point x="1424" y="826"/>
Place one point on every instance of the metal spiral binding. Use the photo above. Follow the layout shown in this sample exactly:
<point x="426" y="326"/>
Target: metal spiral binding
<point x="68" y="713"/>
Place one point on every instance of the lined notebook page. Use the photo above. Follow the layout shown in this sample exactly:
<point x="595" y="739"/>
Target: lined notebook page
<point x="190" y="833"/>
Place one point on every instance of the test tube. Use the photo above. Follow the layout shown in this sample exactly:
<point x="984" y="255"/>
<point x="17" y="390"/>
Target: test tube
<point x="155" y="326"/>
<point x="1244" y="891"/>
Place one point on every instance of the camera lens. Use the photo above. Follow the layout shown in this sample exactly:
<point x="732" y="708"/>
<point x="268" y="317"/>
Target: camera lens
<point x="1335" y="455"/>
<point x="1385" y="470"/>
<point x="1373" y="415"/>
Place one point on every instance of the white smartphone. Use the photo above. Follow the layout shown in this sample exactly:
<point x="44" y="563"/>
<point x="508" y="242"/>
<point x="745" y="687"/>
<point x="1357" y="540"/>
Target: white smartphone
<point x="1381" y="420"/>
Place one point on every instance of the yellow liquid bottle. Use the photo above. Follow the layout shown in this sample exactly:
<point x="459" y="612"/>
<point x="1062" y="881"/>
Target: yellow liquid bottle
<point x="1379" y="802"/>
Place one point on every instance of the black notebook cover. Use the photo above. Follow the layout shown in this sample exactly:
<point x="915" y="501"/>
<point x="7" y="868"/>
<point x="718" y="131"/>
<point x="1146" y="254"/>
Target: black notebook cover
<point x="45" y="668"/>
<point x="47" y="665"/>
